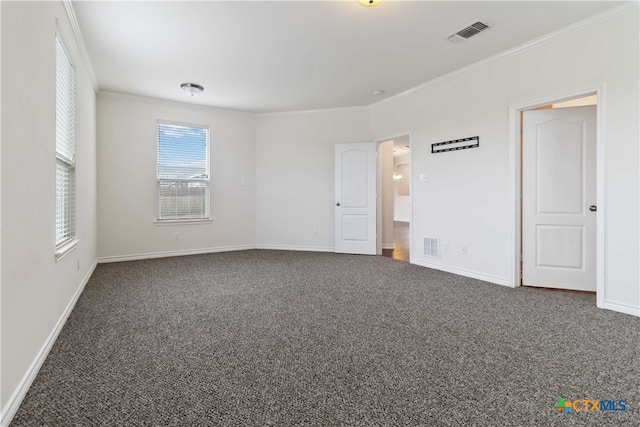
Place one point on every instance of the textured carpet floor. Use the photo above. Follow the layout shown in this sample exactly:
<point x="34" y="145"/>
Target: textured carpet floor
<point x="261" y="338"/>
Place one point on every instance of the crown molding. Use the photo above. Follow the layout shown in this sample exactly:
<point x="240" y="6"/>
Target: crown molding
<point x="317" y="111"/>
<point x="585" y="23"/>
<point x="77" y="34"/>
<point x="149" y="99"/>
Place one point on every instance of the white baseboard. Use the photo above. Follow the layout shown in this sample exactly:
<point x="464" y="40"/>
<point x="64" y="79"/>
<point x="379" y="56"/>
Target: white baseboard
<point x="622" y="308"/>
<point x="462" y="272"/>
<point x="15" y="400"/>
<point x="296" y="248"/>
<point x="135" y="257"/>
<point x="388" y="246"/>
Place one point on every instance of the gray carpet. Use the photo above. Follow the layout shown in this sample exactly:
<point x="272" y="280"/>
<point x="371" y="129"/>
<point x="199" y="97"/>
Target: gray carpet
<point x="261" y="338"/>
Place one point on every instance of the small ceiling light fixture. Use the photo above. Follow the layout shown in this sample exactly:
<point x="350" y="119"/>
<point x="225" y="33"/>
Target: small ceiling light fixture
<point x="369" y="3"/>
<point x="191" y="88"/>
<point x="377" y="92"/>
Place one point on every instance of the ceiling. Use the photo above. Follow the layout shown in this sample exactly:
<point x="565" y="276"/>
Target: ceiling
<point x="269" y="56"/>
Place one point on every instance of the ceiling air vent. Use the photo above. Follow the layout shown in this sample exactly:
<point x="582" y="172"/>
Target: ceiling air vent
<point x="468" y="32"/>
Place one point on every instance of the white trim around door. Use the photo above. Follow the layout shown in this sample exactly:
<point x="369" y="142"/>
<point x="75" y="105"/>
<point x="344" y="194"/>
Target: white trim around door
<point x="515" y="183"/>
<point x="411" y="150"/>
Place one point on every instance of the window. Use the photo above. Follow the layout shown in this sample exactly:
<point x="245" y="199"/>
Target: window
<point x="65" y="145"/>
<point x="183" y="172"/>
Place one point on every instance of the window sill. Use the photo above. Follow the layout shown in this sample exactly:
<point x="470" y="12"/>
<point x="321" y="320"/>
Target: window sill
<point x="182" y="221"/>
<point x="65" y="248"/>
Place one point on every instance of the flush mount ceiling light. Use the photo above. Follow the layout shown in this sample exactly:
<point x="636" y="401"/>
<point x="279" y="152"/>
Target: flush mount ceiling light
<point x="377" y="92"/>
<point x="369" y="3"/>
<point x="191" y="88"/>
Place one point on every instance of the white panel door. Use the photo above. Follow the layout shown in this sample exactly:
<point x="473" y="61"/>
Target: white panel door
<point x="355" y="198"/>
<point x="559" y="196"/>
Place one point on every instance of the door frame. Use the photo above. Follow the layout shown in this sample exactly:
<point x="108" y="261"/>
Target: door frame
<point x="378" y="189"/>
<point x="515" y="182"/>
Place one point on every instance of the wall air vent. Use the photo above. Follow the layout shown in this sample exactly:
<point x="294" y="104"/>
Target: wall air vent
<point x="469" y="31"/>
<point x="432" y="247"/>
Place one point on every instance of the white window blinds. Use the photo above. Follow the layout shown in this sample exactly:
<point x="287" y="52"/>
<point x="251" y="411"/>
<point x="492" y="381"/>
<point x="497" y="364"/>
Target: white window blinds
<point x="65" y="144"/>
<point x="183" y="172"/>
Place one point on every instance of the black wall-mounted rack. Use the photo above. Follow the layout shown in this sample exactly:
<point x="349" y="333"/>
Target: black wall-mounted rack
<point x="456" y="144"/>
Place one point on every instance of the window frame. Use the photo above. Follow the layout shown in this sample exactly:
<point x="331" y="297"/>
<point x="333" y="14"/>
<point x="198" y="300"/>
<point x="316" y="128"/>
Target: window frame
<point x="206" y="218"/>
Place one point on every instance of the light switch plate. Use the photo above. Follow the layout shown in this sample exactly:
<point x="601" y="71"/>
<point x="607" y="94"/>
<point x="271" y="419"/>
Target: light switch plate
<point x="423" y="177"/>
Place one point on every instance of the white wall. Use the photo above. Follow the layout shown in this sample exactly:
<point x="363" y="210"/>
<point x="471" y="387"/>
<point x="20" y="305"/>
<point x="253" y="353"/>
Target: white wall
<point x="295" y="175"/>
<point x="467" y="200"/>
<point x="2" y="403"/>
<point x="402" y="204"/>
<point x="127" y="148"/>
<point x="36" y="290"/>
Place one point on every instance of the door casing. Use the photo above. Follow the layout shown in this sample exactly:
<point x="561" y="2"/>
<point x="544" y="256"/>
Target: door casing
<point x="378" y="189"/>
<point x="515" y="180"/>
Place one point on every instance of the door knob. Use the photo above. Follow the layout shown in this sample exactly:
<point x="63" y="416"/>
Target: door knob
<point x="338" y="204"/>
<point x="593" y="208"/>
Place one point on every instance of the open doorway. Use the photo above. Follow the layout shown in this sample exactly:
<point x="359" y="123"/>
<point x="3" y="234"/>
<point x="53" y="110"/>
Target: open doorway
<point x="559" y="194"/>
<point x="394" y="207"/>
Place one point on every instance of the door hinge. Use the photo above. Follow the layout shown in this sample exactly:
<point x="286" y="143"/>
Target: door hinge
<point x="520" y="257"/>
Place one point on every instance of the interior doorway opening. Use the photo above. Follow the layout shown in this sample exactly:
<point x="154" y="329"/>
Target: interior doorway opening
<point x="559" y="194"/>
<point x="394" y="198"/>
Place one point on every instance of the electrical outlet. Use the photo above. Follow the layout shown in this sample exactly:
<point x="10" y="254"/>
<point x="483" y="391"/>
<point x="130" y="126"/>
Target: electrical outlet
<point x="445" y="246"/>
<point x="176" y="236"/>
<point x="315" y="233"/>
<point x="463" y="250"/>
